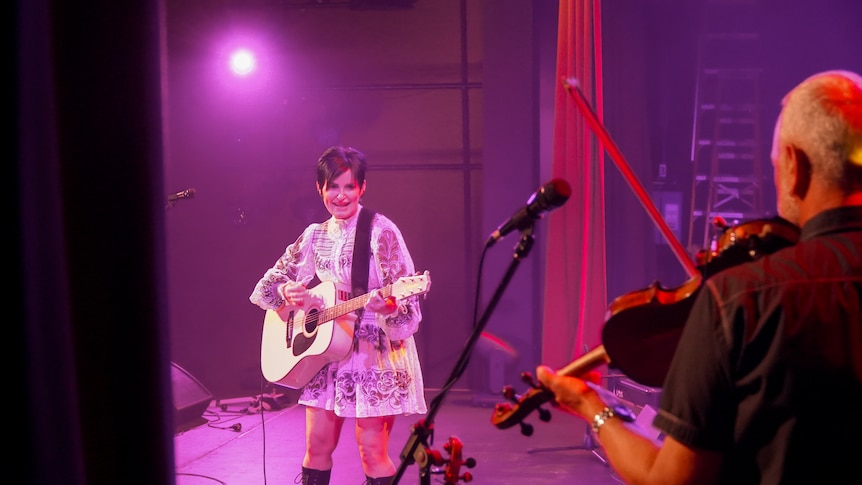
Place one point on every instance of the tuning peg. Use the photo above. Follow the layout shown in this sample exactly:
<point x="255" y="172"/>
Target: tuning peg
<point x="509" y="393"/>
<point x="467" y="477"/>
<point x="526" y="428"/>
<point x="544" y="414"/>
<point x="435" y="457"/>
<point x="528" y="379"/>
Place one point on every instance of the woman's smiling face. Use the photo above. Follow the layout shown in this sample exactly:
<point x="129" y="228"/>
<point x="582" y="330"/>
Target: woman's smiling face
<point x="341" y="195"/>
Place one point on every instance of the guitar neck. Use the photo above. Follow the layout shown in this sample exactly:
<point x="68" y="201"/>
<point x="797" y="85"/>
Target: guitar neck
<point x="352" y="304"/>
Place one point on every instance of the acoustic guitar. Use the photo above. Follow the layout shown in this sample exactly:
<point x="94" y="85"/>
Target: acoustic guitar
<point x="296" y="347"/>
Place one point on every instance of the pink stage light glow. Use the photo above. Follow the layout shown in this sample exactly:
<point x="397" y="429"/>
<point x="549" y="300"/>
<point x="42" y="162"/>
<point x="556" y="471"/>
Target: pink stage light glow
<point x="242" y="62"/>
<point x="245" y="63"/>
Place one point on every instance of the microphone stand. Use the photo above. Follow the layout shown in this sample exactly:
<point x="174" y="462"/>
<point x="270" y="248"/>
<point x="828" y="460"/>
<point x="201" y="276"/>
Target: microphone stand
<point x="416" y="450"/>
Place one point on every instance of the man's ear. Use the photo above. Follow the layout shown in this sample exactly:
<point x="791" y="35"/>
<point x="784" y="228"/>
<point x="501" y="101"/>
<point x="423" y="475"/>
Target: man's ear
<point x="319" y="190"/>
<point x="800" y="170"/>
<point x="362" y="190"/>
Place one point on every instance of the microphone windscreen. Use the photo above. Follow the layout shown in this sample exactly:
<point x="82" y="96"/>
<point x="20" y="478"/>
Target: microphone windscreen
<point x="559" y="192"/>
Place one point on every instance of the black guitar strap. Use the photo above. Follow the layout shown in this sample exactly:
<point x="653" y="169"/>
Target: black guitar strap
<point x="361" y="261"/>
<point x="361" y="253"/>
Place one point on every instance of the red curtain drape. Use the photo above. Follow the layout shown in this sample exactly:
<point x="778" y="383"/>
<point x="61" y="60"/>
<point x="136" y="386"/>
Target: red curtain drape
<point x="576" y="286"/>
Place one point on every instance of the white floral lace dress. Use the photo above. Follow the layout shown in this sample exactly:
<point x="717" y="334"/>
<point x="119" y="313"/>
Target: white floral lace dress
<point x="381" y="375"/>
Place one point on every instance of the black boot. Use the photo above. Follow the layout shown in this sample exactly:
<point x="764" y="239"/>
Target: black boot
<point x="379" y="480"/>
<point x="314" y="477"/>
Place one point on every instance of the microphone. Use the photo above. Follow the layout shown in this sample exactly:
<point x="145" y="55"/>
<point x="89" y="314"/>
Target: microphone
<point x="185" y="194"/>
<point x="549" y="196"/>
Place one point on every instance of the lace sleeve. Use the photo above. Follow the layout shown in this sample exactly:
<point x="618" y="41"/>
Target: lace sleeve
<point x="296" y="264"/>
<point x="392" y="261"/>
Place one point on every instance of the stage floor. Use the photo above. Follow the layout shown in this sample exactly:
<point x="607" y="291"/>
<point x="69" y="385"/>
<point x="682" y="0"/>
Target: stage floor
<point x="239" y="447"/>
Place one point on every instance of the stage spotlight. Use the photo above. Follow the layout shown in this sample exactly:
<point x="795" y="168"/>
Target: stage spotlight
<point x="242" y="62"/>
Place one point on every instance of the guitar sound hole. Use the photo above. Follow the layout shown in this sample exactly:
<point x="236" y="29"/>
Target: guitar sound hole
<point x="311" y="321"/>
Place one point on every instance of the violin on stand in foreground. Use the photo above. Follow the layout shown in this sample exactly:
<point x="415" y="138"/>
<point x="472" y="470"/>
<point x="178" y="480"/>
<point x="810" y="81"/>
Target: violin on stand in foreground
<point x="451" y="470"/>
<point x="431" y="461"/>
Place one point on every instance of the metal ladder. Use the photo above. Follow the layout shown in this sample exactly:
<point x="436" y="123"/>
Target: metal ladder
<point x="726" y="161"/>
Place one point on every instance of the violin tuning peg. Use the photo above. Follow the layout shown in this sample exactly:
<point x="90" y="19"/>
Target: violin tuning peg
<point x="502" y="408"/>
<point x="509" y="393"/>
<point x="526" y="429"/>
<point x="435" y="457"/>
<point x="528" y="379"/>
<point x="544" y="415"/>
<point x="719" y="223"/>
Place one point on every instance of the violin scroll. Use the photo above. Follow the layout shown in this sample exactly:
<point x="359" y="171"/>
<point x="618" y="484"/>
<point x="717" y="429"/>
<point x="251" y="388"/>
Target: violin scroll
<point x="452" y="473"/>
<point x="507" y="415"/>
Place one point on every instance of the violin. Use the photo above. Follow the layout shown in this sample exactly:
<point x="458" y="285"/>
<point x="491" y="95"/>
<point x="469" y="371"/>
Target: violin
<point x="642" y="328"/>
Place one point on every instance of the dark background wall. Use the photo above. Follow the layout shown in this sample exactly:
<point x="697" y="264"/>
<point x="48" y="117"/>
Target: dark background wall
<point x="451" y="102"/>
<point x="406" y="86"/>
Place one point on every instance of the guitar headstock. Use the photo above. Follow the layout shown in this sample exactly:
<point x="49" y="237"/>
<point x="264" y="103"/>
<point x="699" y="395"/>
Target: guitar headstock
<point x="507" y="415"/>
<point x="407" y="286"/>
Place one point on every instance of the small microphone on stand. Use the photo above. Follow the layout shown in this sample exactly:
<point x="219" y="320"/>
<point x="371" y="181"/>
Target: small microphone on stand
<point x="185" y="194"/>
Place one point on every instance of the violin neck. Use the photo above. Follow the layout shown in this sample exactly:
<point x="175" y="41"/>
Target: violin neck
<point x="586" y="362"/>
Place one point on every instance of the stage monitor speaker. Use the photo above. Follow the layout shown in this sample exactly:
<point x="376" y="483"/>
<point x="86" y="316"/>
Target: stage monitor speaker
<point x="190" y="398"/>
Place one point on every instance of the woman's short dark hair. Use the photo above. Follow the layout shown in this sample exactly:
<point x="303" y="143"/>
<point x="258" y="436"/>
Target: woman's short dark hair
<point x="338" y="159"/>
